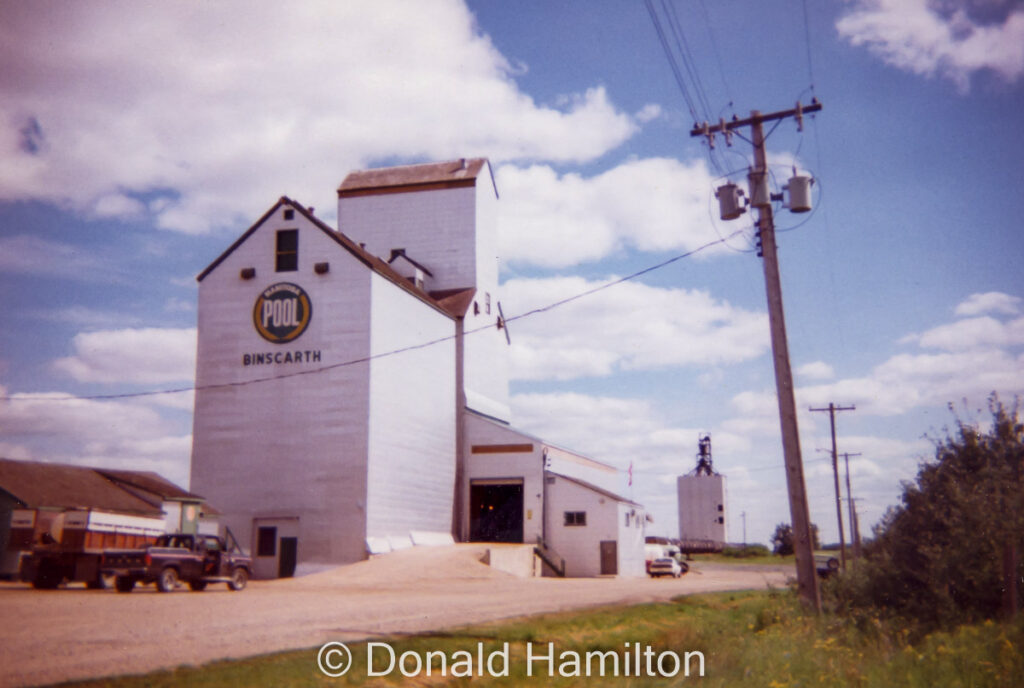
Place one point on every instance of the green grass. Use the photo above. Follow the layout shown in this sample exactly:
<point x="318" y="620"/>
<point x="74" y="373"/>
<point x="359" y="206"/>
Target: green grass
<point x="748" y="639"/>
<point x="772" y="559"/>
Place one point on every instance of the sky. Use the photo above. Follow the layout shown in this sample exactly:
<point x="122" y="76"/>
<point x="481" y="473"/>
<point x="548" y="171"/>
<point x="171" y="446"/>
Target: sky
<point x="139" y="139"/>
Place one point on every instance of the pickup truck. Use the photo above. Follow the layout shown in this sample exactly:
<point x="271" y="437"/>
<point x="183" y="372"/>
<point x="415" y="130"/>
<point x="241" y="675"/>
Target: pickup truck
<point x="180" y="557"/>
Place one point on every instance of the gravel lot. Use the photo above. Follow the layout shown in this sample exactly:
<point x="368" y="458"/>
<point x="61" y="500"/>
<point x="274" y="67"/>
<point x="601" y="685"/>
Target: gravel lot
<point x="73" y="633"/>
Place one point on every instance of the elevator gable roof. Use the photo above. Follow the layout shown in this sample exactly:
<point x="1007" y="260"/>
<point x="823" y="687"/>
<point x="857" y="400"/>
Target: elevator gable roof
<point x="362" y="255"/>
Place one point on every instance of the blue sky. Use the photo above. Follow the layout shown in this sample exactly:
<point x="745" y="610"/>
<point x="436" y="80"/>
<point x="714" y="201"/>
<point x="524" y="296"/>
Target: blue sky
<point x="137" y="141"/>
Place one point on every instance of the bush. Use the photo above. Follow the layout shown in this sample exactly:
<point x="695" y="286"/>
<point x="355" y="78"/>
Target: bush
<point x="937" y="558"/>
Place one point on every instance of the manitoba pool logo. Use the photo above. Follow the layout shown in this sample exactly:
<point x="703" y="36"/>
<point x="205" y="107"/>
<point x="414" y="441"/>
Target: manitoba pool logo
<point x="282" y="312"/>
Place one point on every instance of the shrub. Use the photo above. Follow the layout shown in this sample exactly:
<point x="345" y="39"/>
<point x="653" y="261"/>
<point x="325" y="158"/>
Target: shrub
<point x="937" y="559"/>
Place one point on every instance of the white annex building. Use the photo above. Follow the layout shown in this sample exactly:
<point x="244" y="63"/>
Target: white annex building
<point x="352" y="388"/>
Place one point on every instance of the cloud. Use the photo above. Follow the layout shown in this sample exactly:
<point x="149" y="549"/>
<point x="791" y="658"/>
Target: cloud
<point x="631" y="326"/>
<point x="112" y="434"/>
<point x="927" y="38"/>
<point x="968" y="358"/>
<point x="197" y="113"/>
<point x="552" y="220"/>
<point x="818" y="370"/>
<point x="24" y="254"/>
<point x="989" y="302"/>
<point x="973" y="333"/>
<point x="138" y="356"/>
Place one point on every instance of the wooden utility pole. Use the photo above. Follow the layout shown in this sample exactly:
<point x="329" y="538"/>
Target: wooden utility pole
<point x="806" y="575"/>
<point x="832" y="408"/>
<point x="854" y="530"/>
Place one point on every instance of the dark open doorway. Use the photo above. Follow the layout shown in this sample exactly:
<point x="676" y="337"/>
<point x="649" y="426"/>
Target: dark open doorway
<point x="496" y="512"/>
<point x="289" y="557"/>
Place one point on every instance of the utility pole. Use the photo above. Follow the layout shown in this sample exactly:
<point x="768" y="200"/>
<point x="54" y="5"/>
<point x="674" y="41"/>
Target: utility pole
<point x="832" y="408"/>
<point x="743" y="515"/>
<point x="854" y="530"/>
<point x="806" y="575"/>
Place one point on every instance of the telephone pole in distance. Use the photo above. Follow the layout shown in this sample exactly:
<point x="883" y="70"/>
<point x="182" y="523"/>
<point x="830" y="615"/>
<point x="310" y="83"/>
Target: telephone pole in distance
<point x="832" y="408"/>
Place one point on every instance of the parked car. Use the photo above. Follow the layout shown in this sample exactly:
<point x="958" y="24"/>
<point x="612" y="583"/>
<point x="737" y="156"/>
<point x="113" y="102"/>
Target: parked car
<point x="180" y="557"/>
<point x="667" y="566"/>
<point x="826" y="565"/>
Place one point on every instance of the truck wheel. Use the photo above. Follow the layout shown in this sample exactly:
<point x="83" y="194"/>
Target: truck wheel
<point x="197" y="585"/>
<point x="239" y="577"/>
<point x="48" y="577"/>
<point x="168" y="580"/>
<point x="124" y="584"/>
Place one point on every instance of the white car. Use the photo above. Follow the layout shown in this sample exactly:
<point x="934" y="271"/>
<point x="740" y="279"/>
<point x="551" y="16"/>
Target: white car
<point x="665" y="566"/>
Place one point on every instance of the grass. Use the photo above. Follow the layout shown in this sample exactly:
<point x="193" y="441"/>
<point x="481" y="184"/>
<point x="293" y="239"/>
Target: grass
<point x="772" y="559"/>
<point x="748" y="638"/>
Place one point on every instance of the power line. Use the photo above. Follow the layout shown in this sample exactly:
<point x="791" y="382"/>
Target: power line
<point x="366" y="359"/>
<point x="807" y="42"/>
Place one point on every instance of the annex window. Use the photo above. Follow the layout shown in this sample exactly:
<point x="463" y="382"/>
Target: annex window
<point x="575" y="518"/>
<point x="266" y="541"/>
<point x="287" y="250"/>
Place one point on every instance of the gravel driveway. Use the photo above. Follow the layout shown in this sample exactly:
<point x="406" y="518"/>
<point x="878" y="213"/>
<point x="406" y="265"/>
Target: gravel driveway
<point x="74" y="633"/>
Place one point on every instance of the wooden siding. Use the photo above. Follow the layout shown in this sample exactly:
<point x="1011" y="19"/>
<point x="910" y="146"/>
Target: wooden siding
<point x="411" y="474"/>
<point x="295" y="445"/>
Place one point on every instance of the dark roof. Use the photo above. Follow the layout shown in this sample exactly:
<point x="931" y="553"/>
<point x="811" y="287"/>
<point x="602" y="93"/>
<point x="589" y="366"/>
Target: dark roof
<point x="153" y="483"/>
<point x="434" y="175"/>
<point x="35" y="485"/>
<point x="595" y="488"/>
<point x="455" y="301"/>
<point x="371" y="261"/>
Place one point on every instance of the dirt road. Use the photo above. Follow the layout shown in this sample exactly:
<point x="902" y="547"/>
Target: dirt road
<point x="77" y="633"/>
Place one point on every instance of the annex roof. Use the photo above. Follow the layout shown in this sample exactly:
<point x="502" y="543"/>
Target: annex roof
<point x="371" y="261"/>
<point x="594" y="488"/>
<point x="149" y="482"/>
<point x="37" y="485"/>
<point x="423" y="177"/>
<point x="543" y="443"/>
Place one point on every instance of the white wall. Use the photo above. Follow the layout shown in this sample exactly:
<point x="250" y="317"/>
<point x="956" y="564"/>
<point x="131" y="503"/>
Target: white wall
<point x="632" y="561"/>
<point x="580" y="546"/>
<point x="411" y="475"/>
<point x="291" y="447"/>
<point x="699" y="499"/>
<point x="525" y="465"/>
<point x="435" y="227"/>
<point x="453" y="233"/>
<point x="577" y="466"/>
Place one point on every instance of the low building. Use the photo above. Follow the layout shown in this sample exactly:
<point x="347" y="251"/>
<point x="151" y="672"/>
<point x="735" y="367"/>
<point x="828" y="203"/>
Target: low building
<point x="50" y="502"/>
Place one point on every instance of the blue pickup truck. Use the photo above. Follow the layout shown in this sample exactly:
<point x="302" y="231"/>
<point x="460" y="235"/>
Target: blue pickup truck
<point x="180" y="558"/>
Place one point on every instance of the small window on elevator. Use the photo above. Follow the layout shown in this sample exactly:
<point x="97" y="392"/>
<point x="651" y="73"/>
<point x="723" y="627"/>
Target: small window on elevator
<point x="266" y="541"/>
<point x="287" y="250"/>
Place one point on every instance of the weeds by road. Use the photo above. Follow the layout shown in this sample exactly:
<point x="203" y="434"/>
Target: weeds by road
<point x="746" y="639"/>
